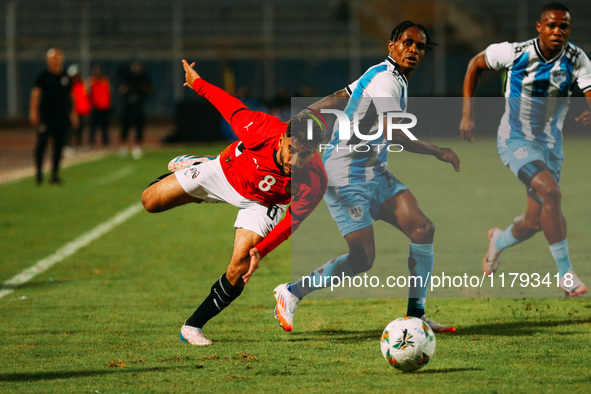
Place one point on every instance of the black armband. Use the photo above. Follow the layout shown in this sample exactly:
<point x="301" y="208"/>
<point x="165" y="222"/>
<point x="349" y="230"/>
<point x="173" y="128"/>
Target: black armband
<point x="530" y="170"/>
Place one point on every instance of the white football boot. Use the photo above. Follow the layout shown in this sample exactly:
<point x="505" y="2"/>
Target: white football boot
<point x="194" y="336"/>
<point x="184" y="161"/>
<point x="491" y="261"/>
<point x="436" y="327"/>
<point x="286" y="306"/>
<point x="576" y="287"/>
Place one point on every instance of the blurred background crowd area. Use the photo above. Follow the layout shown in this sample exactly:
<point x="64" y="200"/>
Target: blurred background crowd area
<point x="264" y="51"/>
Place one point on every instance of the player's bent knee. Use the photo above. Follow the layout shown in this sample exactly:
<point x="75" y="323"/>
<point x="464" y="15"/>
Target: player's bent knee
<point x="148" y="201"/>
<point x="153" y="201"/>
<point x="237" y="268"/>
<point x="548" y="192"/>
<point x="546" y="187"/>
<point x="424" y="233"/>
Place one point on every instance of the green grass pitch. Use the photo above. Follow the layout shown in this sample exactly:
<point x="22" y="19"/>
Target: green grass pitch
<point x="107" y="318"/>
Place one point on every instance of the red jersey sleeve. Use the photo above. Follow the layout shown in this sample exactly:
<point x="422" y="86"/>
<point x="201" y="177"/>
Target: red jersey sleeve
<point x="251" y="127"/>
<point x="225" y="103"/>
<point x="277" y="236"/>
<point x="310" y="190"/>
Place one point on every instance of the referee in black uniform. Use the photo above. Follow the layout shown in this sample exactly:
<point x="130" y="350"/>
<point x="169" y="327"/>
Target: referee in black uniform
<point x="51" y="112"/>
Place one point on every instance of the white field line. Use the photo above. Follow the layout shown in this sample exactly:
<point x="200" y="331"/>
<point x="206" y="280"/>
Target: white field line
<point x="68" y="250"/>
<point x="122" y="173"/>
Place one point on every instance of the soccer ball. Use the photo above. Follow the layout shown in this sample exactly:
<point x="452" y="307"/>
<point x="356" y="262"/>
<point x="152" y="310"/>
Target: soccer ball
<point x="408" y="343"/>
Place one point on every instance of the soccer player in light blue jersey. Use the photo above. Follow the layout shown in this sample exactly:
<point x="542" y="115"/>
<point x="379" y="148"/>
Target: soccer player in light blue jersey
<point x="361" y="188"/>
<point x="541" y="74"/>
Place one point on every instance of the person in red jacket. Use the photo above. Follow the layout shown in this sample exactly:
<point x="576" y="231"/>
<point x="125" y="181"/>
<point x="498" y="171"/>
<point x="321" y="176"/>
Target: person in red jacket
<point x="100" y="98"/>
<point x="81" y="103"/>
<point x="253" y="174"/>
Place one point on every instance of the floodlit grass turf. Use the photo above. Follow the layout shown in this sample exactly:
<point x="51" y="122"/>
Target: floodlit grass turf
<point x="107" y="318"/>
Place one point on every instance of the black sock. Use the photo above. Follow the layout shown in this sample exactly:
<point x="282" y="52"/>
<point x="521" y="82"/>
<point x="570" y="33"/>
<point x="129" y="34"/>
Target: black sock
<point x="221" y="295"/>
<point x="416" y="312"/>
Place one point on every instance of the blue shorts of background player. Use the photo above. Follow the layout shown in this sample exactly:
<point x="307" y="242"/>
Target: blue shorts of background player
<point x="354" y="206"/>
<point x="522" y="158"/>
<point x="538" y="167"/>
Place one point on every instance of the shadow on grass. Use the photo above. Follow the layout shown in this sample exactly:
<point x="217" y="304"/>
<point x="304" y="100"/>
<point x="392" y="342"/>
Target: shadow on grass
<point x="341" y="335"/>
<point x="521" y="328"/>
<point x="526" y="327"/>
<point x="35" y="376"/>
<point x="34" y="284"/>
<point x="447" y="370"/>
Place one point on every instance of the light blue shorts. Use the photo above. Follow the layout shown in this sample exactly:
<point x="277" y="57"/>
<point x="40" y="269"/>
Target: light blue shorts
<point x="354" y="206"/>
<point x="517" y="153"/>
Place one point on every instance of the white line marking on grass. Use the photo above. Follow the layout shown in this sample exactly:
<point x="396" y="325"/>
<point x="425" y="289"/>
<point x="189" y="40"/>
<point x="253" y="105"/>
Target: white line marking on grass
<point x="68" y="249"/>
<point x="122" y="173"/>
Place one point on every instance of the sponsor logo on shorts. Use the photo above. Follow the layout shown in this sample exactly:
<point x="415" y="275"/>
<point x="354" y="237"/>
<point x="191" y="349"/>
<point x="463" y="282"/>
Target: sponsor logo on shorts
<point x="521" y="153"/>
<point x="356" y="212"/>
<point x="192" y="172"/>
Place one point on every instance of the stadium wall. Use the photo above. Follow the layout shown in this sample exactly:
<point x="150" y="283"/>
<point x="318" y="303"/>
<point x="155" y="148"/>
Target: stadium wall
<point x="261" y="45"/>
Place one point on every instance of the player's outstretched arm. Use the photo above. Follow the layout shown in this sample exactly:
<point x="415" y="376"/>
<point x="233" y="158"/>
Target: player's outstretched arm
<point x="34" y="118"/>
<point x="446" y="155"/>
<point x="475" y="67"/>
<point x="255" y="259"/>
<point x="307" y="198"/>
<point x="224" y="102"/>
<point x="585" y="117"/>
<point x="74" y="119"/>
<point x="190" y="74"/>
<point x="449" y="156"/>
<point x="331" y="101"/>
<point x="426" y="148"/>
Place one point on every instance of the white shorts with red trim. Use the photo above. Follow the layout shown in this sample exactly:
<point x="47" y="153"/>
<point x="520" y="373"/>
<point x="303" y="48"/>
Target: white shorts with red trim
<point x="207" y="182"/>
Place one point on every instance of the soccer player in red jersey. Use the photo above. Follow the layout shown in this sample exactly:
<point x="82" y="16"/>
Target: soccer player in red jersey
<point x="253" y="174"/>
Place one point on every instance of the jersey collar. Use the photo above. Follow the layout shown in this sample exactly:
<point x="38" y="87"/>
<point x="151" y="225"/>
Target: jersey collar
<point x="275" y="160"/>
<point x="397" y="68"/>
<point x="542" y="57"/>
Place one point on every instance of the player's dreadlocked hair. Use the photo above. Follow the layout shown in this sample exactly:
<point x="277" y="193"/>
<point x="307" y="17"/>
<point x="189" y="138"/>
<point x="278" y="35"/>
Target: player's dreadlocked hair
<point x="401" y="28"/>
<point x="297" y="127"/>
<point x="553" y="7"/>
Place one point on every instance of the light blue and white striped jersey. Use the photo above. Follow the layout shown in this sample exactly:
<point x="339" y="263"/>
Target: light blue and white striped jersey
<point x="538" y="89"/>
<point x="381" y="89"/>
